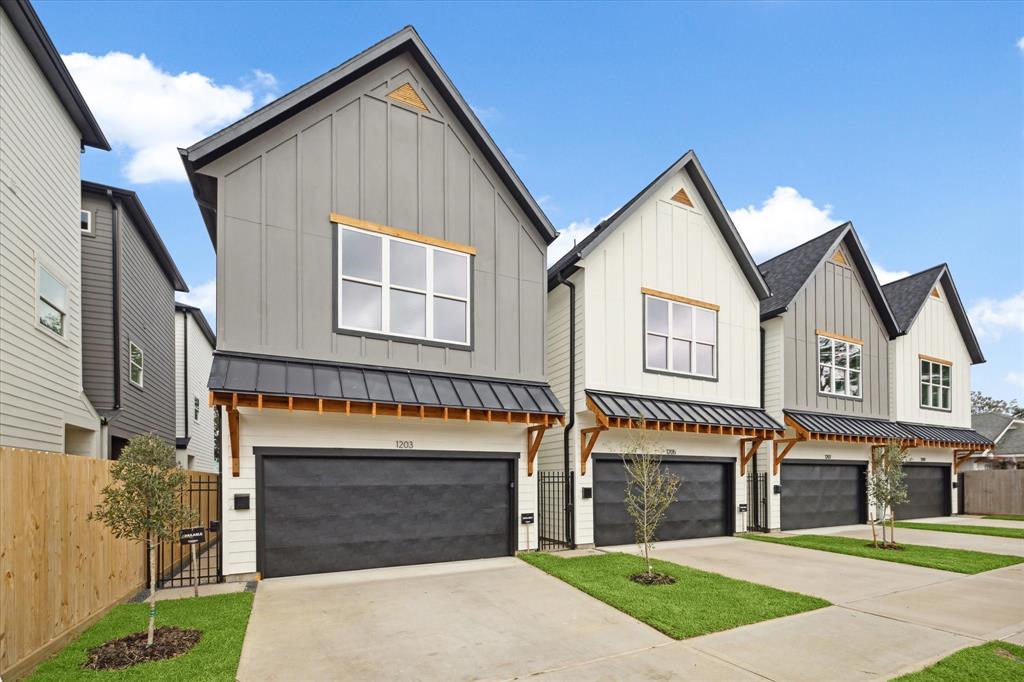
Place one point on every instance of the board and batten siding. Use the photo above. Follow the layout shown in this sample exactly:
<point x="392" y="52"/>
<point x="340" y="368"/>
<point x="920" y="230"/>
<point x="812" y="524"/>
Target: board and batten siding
<point x="41" y="375"/>
<point x="679" y="250"/>
<point x="834" y="300"/>
<point x="200" y="358"/>
<point x="98" y="304"/>
<point x="934" y="333"/>
<point x="361" y="154"/>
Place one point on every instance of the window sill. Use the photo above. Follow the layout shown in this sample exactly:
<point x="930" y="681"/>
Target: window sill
<point x="452" y="345"/>
<point x="46" y="331"/>
<point x="680" y="375"/>
<point x="838" y="396"/>
<point x="945" y="410"/>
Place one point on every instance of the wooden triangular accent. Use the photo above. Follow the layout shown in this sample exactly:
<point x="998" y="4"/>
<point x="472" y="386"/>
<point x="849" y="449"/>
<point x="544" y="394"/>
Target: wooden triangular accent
<point x="407" y="95"/>
<point x="935" y="292"/>
<point x="682" y="197"/>
<point x="839" y="259"/>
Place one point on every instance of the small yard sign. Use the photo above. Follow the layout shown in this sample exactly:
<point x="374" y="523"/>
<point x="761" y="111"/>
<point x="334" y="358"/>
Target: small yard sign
<point x="192" y="536"/>
<point x="526" y="518"/>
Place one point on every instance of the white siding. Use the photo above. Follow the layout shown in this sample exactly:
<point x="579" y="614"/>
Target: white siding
<point x="280" y="428"/>
<point x="40" y="184"/>
<point x="934" y="333"/>
<point x="201" y="430"/>
<point x="669" y="247"/>
<point x="551" y="455"/>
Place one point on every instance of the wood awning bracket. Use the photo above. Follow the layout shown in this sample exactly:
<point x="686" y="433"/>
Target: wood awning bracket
<point x="747" y="454"/>
<point x="588" y="439"/>
<point x="236" y="457"/>
<point x="534" y="435"/>
<point x="777" y="456"/>
<point x="959" y="458"/>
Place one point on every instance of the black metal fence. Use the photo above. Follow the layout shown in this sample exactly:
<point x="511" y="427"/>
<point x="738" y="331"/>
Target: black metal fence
<point x="757" y="502"/>
<point x="554" y="496"/>
<point x="174" y="565"/>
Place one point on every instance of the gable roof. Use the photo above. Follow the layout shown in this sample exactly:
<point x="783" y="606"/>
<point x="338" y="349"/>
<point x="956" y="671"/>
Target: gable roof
<point x="788" y="272"/>
<point x="26" y="22"/>
<point x="1012" y="440"/>
<point x="688" y="162"/>
<point x="146" y="228"/>
<point x="907" y="297"/>
<point x="406" y="40"/>
<point x="200" y="319"/>
<point x="990" y="424"/>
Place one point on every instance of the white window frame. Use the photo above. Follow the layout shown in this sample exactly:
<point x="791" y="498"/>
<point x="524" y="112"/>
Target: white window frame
<point x="63" y="334"/>
<point x="386" y="286"/>
<point x="692" y="340"/>
<point x="88" y="221"/>
<point x="131" y="364"/>
<point x="925" y="380"/>
<point x="831" y="390"/>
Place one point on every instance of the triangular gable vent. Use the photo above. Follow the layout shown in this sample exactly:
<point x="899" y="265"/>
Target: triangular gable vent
<point x="407" y="95"/>
<point x="935" y="292"/>
<point x="839" y="259"/>
<point x="682" y="197"/>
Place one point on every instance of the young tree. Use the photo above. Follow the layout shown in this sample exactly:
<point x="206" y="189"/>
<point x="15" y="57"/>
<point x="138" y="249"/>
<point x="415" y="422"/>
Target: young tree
<point x="650" y="489"/>
<point x="887" y="487"/>
<point x="143" y="503"/>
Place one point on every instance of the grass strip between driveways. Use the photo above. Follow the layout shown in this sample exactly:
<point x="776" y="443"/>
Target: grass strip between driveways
<point x="995" y="531"/>
<point x="697" y="604"/>
<point x="992" y="662"/>
<point x="942" y="558"/>
<point x="1005" y="517"/>
<point x="222" y="619"/>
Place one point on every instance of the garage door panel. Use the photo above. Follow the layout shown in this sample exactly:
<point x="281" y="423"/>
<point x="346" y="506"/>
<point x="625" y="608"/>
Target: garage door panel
<point x="822" y="495"/>
<point x="928" y="492"/>
<point x="325" y="514"/>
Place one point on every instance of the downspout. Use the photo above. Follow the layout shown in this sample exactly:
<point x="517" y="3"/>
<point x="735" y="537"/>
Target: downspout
<point x="567" y="431"/>
<point x="184" y="354"/>
<point x="115" y="257"/>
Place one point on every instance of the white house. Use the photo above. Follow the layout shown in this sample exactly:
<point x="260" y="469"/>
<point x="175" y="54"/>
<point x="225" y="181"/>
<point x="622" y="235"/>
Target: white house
<point x="195" y="419"/>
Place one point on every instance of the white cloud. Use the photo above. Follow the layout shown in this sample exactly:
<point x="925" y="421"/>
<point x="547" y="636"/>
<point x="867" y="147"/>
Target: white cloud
<point x="1020" y="44"/>
<point x="203" y="296"/>
<point x="885" y="276"/>
<point x="783" y="221"/>
<point x="487" y="114"/>
<point x="1016" y="378"/>
<point x="991" y="317"/>
<point x="568" y="237"/>
<point x="150" y="113"/>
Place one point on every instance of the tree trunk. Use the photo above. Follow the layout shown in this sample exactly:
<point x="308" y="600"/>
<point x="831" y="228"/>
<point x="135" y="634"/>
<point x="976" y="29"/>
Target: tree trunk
<point x="874" y="535"/>
<point x="152" y="591"/>
<point x="892" y="529"/>
<point x="885" y="537"/>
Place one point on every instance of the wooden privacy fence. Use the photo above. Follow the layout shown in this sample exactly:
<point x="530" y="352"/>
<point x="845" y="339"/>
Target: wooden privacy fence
<point x="997" y="491"/>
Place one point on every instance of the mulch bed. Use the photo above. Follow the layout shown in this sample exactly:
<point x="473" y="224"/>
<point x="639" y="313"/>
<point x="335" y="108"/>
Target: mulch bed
<point x="652" y="579"/>
<point x="168" y="642"/>
<point x="885" y="545"/>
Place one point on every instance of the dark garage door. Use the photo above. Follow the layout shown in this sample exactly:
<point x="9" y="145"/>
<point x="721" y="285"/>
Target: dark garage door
<point x="928" y="492"/>
<point x="703" y="509"/>
<point x="816" y="494"/>
<point x="339" y="513"/>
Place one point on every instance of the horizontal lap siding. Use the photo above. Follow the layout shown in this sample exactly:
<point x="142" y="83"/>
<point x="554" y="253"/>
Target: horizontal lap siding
<point x="98" y="304"/>
<point x="552" y="453"/>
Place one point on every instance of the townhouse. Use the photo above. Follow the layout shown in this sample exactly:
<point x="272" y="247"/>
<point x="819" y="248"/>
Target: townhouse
<point x="653" y="323"/>
<point x="380" y="329"/>
<point x="128" y="347"/>
<point x="45" y="124"/>
<point x="197" y="423"/>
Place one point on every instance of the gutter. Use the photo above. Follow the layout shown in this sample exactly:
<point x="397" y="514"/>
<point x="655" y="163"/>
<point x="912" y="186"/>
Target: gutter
<point x="567" y="430"/>
<point x="184" y="382"/>
<point x="115" y="257"/>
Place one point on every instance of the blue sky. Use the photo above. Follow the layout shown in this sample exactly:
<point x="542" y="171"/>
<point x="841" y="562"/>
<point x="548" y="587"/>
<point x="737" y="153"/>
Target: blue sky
<point x="907" y="119"/>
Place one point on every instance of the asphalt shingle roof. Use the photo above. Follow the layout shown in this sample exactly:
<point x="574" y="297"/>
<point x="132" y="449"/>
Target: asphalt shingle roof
<point x="990" y="424"/>
<point x="1012" y="442"/>
<point x="786" y="273"/>
<point x="907" y="295"/>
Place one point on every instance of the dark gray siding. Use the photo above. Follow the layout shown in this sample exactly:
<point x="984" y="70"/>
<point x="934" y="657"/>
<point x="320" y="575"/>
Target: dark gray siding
<point x="834" y="300"/>
<point x="98" y="305"/>
<point x="361" y="154"/>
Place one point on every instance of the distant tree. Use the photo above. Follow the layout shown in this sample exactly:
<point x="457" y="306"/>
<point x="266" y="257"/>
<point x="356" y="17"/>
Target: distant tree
<point x="981" y="403"/>
<point x="650" y="489"/>
<point x="143" y="503"/>
<point x="887" y="487"/>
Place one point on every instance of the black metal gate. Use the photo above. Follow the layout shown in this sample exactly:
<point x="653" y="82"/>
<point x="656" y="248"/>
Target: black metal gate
<point x="174" y="566"/>
<point x="554" y="509"/>
<point x="757" y="502"/>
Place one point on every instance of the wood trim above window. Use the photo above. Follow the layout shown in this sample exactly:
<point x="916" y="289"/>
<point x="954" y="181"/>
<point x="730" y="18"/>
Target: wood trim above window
<point x="401" y="234"/>
<point x="929" y="358"/>
<point x="679" y="299"/>
<point x="839" y="337"/>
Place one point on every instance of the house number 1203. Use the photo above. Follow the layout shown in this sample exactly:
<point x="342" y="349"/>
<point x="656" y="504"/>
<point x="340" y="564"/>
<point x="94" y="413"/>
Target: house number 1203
<point x="404" y="444"/>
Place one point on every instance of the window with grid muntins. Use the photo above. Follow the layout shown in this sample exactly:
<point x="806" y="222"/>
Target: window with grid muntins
<point x="936" y="383"/>
<point x="839" y="367"/>
<point x="680" y="338"/>
<point x="403" y="288"/>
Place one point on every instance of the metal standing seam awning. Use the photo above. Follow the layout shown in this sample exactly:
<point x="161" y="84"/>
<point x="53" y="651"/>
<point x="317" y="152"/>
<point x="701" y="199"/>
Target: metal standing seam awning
<point x="622" y="410"/>
<point x="243" y="380"/>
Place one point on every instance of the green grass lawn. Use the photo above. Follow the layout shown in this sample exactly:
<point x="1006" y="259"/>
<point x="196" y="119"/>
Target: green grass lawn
<point x="222" y="619"/>
<point x="1016" y="533"/>
<point x="992" y="662"/>
<point x="698" y="603"/>
<point x="1005" y="517"/>
<point x="942" y="558"/>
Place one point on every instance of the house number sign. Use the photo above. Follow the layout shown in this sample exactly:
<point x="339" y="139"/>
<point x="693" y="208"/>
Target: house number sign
<point x="404" y="444"/>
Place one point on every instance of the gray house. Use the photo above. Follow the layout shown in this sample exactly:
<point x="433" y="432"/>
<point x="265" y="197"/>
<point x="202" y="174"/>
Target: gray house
<point x="1007" y="435"/>
<point x="128" y="317"/>
<point x="380" y="327"/>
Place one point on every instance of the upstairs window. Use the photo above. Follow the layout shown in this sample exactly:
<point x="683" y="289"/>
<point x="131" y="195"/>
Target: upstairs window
<point x="403" y="287"/>
<point x="51" y="306"/>
<point x="936" y="383"/>
<point x="87" y="221"/>
<point x="680" y="337"/>
<point x="136" y="361"/>
<point x="839" y="366"/>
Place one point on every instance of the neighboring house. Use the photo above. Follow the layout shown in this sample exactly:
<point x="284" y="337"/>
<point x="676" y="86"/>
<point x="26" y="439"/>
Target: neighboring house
<point x="380" y="325"/>
<point x="1007" y="433"/>
<point x="195" y="419"/>
<point x="128" y="285"/>
<point x="659" y="308"/>
<point x="44" y="126"/>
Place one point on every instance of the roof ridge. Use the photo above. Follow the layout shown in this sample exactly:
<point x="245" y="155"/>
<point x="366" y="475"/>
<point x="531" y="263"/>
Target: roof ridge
<point x="803" y="244"/>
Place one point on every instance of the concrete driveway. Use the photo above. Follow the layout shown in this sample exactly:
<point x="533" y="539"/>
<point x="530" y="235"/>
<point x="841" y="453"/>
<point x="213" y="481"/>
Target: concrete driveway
<point x="503" y="619"/>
